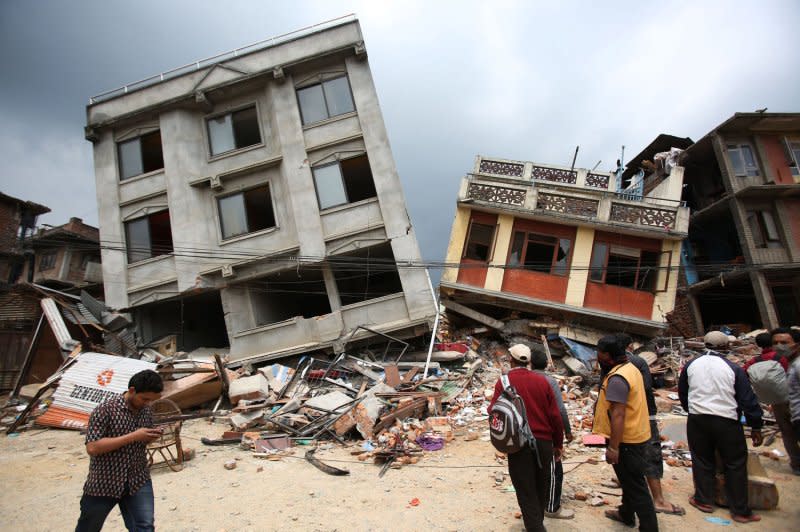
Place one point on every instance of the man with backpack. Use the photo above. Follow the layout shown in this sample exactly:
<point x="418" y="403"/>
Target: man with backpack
<point x="529" y="466"/>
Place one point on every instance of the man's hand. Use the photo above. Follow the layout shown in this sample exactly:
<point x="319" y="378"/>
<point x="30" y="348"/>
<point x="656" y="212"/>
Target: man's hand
<point x="558" y="453"/>
<point x="146" y="434"/>
<point x="612" y="455"/>
<point x="755" y="435"/>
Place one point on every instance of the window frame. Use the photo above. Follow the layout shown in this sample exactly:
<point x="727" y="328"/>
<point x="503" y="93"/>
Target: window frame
<point x="147" y="217"/>
<point x="490" y="255"/>
<point x="762" y="231"/>
<point x="321" y="82"/>
<point x="231" y="111"/>
<point x="738" y="148"/>
<point x="247" y="233"/>
<point x="532" y="236"/>
<point x="792" y="148"/>
<point x="120" y="143"/>
<point x="342" y="181"/>
<point x="637" y="281"/>
<point x="50" y="263"/>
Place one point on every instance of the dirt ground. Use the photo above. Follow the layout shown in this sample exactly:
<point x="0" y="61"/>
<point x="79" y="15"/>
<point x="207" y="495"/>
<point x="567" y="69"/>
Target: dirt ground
<point x="42" y="473"/>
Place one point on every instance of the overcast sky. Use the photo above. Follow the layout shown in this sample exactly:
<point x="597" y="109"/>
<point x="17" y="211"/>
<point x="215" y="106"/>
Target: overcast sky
<point x="523" y="80"/>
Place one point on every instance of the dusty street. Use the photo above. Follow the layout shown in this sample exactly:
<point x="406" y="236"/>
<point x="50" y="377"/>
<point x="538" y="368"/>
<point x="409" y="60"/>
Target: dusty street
<point x="42" y="473"/>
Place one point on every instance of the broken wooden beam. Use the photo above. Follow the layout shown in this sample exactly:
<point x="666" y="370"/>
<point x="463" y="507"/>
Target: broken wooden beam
<point x="473" y="314"/>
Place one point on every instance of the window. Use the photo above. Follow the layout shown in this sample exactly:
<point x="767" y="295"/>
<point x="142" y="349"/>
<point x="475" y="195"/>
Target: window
<point x="140" y="155"/>
<point x="480" y="240"/>
<point x="47" y="261"/>
<point x="764" y="230"/>
<point x="87" y="258"/>
<point x="233" y="131"/>
<point x="346" y="181"/>
<point x="540" y="253"/>
<point x="246" y="212"/>
<point x="742" y="159"/>
<point x="148" y="237"/>
<point x="366" y="274"/>
<point x="324" y="100"/>
<point x="793" y="157"/>
<point x="626" y="267"/>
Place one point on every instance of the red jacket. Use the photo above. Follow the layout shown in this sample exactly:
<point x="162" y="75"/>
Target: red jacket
<point x="767" y="354"/>
<point x="540" y="404"/>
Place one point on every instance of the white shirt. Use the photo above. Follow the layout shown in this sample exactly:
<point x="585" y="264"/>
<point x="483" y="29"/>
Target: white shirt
<point x="712" y="387"/>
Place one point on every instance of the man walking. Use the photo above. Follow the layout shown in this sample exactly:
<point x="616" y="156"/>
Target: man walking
<point x="553" y="509"/>
<point x="529" y="468"/>
<point x="654" y="468"/>
<point x="716" y="392"/>
<point x="118" y="434"/>
<point x="621" y="416"/>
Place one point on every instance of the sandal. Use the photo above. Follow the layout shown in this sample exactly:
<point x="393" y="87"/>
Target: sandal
<point x="752" y="518"/>
<point x="614" y="516"/>
<point x="705" y="508"/>
<point x="674" y="510"/>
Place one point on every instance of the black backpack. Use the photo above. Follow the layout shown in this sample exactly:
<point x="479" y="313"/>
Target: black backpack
<point x="509" y="431"/>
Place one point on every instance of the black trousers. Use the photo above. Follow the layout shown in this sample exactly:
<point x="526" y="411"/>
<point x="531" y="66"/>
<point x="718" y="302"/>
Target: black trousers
<point x="531" y="482"/>
<point x="636" y="499"/>
<point x="708" y="435"/>
<point x="554" y="491"/>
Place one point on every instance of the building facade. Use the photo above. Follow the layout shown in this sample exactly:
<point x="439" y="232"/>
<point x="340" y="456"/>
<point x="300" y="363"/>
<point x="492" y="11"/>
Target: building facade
<point x="64" y="257"/>
<point x="17" y="223"/>
<point x="742" y="257"/>
<point x="252" y="200"/>
<point x="581" y="247"/>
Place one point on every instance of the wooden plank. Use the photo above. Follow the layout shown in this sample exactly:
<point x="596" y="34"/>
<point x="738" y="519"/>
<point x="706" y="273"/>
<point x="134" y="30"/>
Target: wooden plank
<point x="473" y="314"/>
<point x="550" y="366"/>
<point x="392" y="375"/>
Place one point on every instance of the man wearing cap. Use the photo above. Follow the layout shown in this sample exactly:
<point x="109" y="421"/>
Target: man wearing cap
<point x="621" y="416"/>
<point x="529" y="469"/>
<point x="716" y="392"/>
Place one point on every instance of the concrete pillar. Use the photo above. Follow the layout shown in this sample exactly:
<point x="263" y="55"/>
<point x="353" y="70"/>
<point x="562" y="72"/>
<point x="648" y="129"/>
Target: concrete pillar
<point x="455" y="248"/>
<point x="766" y="308"/>
<point x="502" y="241"/>
<point x="579" y="269"/>
<point x="66" y="258"/>
<point x="330" y="287"/>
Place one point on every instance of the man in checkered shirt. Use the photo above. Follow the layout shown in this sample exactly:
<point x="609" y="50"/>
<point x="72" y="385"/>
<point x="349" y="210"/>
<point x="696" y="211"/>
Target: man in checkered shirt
<point x="119" y="431"/>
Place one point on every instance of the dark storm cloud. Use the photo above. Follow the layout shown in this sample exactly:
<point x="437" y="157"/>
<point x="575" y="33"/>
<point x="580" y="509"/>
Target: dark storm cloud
<point x="527" y="80"/>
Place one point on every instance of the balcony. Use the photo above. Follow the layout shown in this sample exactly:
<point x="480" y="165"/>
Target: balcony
<point x="578" y="194"/>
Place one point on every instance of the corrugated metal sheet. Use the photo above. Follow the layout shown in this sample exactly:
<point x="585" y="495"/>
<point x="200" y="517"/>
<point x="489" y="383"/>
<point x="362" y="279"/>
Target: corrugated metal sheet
<point x="18" y="304"/>
<point x="91" y="380"/>
<point x="79" y="314"/>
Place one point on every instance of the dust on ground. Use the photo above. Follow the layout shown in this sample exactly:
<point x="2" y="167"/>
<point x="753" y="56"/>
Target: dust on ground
<point x="42" y="474"/>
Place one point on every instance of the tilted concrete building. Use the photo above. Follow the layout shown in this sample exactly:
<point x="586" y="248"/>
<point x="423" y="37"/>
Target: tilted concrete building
<point x="742" y="257"/>
<point x="593" y="251"/>
<point x="252" y="200"/>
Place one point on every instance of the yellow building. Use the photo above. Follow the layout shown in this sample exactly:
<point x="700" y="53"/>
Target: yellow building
<point x="596" y="250"/>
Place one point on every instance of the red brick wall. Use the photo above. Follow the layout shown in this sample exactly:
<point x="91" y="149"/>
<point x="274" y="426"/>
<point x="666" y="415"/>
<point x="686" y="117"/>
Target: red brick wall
<point x="9" y="226"/>
<point x="776" y="158"/>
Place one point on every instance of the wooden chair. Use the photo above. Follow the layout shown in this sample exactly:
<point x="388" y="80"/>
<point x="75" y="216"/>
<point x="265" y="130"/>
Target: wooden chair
<point x="170" y="440"/>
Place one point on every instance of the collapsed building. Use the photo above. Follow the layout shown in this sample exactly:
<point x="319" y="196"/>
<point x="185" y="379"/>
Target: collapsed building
<point x="250" y="201"/>
<point x="594" y="251"/>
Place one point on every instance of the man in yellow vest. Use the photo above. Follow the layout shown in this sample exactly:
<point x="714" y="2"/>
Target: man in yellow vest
<point x="621" y="416"/>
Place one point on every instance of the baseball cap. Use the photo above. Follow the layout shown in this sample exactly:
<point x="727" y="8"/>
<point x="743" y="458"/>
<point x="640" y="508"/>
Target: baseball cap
<point x="716" y="339"/>
<point x="520" y="352"/>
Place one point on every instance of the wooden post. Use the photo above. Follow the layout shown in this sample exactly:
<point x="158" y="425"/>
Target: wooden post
<point x="550" y="365"/>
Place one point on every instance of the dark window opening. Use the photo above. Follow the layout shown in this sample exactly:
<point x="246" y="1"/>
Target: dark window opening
<point x="234" y="131"/>
<point x="47" y="261"/>
<point x="287" y="294"/>
<point x="246" y="212"/>
<point x="197" y="321"/>
<point x="787" y="305"/>
<point x="140" y="155"/>
<point x="742" y="160"/>
<point x="148" y="237"/>
<point x="540" y="253"/>
<point x="627" y="267"/>
<point x="366" y="274"/>
<point x="324" y="100"/>
<point x="764" y="230"/>
<point x="479" y="242"/>
<point x="346" y="181"/>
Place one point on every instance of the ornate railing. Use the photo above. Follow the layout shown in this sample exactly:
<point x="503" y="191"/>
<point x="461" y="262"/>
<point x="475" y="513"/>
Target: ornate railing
<point x="597" y="181"/>
<point x="567" y="205"/>
<point x="632" y="214"/>
<point x="495" y="194"/>
<point x="556" y="175"/>
<point x="500" y="168"/>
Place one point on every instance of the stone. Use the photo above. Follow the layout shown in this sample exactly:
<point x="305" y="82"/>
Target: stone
<point x="597" y="501"/>
<point x="581" y="496"/>
<point x="230" y="464"/>
<point x="253" y="387"/>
